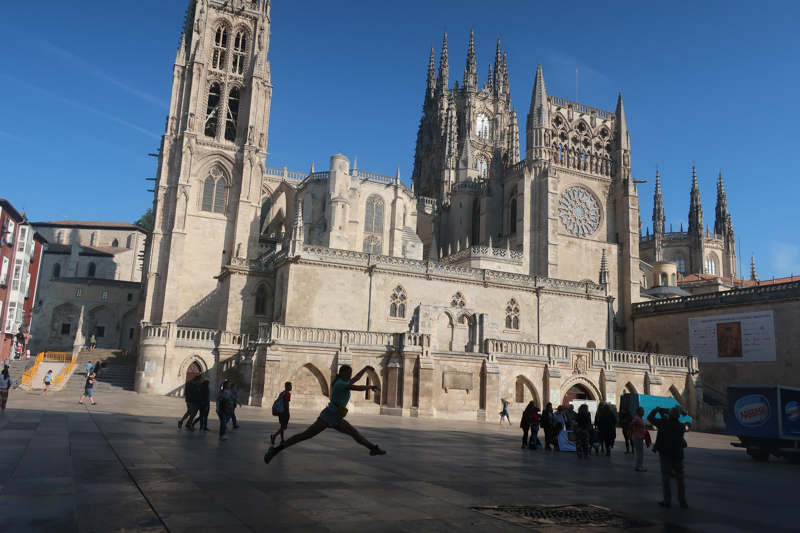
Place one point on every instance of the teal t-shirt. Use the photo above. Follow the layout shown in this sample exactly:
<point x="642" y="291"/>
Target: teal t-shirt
<point x="340" y="394"/>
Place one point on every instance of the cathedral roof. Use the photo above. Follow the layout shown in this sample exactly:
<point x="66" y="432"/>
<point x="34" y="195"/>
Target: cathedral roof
<point x="88" y="224"/>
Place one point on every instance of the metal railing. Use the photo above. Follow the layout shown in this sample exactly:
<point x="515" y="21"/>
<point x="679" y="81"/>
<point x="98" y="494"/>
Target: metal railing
<point x="27" y="377"/>
<point x="62" y="377"/>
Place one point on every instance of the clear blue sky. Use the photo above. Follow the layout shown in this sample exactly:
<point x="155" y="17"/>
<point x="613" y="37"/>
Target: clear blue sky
<point x="86" y="90"/>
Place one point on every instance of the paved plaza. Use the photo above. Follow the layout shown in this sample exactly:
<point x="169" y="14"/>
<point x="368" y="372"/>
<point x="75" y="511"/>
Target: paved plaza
<point x="123" y="465"/>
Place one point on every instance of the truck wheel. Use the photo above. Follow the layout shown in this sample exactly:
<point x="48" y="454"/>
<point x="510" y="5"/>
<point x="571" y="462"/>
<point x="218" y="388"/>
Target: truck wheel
<point x="793" y="457"/>
<point x="688" y="426"/>
<point x="758" y="455"/>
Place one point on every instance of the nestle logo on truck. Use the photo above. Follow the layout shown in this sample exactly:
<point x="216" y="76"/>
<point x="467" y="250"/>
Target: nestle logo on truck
<point x="752" y="411"/>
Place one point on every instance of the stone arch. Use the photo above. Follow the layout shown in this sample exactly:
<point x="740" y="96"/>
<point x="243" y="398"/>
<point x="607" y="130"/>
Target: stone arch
<point x="525" y="391"/>
<point x="591" y="389"/>
<point x="373" y="379"/>
<point x="591" y="344"/>
<point x="188" y="361"/>
<point x="310" y="388"/>
<point x="102" y="323"/>
<point x="444" y="330"/>
<point x="261" y="296"/>
<point x="630" y="388"/>
<point x="129" y="322"/>
<point x="677" y="395"/>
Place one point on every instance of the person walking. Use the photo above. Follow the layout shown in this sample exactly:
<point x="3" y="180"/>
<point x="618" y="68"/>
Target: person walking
<point x="333" y="415"/>
<point x="92" y="342"/>
<point x="583" y="425"/>
<point x="527" y="423"/>
<point x="597" y="417"/>
<point x="236" y="402"/>
<point x="48" y="378"/>
<point x="638" y="432"/>
<point x="504" y="413"/>
<point x="608" y="428"/>
<point x="89" y="367"/>
<point x="204" y="404"/>
<point x="547" y="420"/>
<point x="669" y="445"/>
<point x="224" y="409"/>
<point x="88" y="389"/>
<point x="625" y="420"/>
<point x="283" y="416"/>
<point x="5" y="387"/>
<point x="190" y="394"/>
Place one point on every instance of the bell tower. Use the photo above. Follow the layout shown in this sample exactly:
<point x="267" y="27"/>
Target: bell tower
<point x="211" y="160"/>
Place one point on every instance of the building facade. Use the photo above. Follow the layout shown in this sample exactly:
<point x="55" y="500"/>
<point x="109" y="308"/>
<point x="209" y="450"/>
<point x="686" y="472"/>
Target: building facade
<point x="20" y="261"/>
<point x="94" y="268"/>
<point x="493" y="277"/>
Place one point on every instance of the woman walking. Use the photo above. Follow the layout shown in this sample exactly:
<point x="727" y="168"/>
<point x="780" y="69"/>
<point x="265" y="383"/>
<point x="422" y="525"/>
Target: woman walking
<point x="504" y="413"/>
<point x="48" y="378"/>
<point x="625" y="420"/>
<point x="607" y="426"/>
<point x="583" y="425"/>
<point x="204" y="404"/>
<point x="224" y="409"/>
<point x="333" y="415"/>
<point x="5" y="386"/>
<point x="638" y="434"/>
<point x="547" y="421"/>
<point x="528" y="422"/>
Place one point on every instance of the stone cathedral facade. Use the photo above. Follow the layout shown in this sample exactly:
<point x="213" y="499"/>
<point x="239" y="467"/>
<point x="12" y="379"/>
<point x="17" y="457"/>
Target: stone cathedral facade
<point x="491" y="277"/>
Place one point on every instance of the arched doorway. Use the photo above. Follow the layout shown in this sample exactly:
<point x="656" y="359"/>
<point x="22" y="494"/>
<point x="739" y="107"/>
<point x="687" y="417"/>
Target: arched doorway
<point x="576" y="392"/>
<point x="193" y="371"/>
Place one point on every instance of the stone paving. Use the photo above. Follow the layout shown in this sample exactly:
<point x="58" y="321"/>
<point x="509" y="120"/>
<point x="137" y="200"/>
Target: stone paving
<point x="123" y="465"/>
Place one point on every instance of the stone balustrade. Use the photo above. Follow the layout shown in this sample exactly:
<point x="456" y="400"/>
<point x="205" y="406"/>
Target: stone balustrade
<point x="170" y="332"/>
<point x="270" y="333"/>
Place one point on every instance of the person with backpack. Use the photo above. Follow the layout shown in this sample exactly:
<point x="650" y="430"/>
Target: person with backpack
<point x="224" y="409"/>
<point x="526" y="423"/>
<point x="89" y="367"/>
<point x="190" y="394"/>
<point x="281" y="409"/>
<point x="48" y="378"/>
<point x="504" y="413"/>
<point x="333" y="415"/>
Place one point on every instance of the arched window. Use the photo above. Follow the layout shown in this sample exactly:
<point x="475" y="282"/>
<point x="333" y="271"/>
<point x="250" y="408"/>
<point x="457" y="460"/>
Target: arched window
<point x="57" y="270"/>
<point x="220" y="49"/>
<point x="214" y="192"/>
<point x="512" y="314"/>
<point x="219" y="196"/>
<point x="232" y="120"/>
<point x="664" y="281"/>
<point x="463" y="319"/>
<point x="678" y="258"/>
<point x="483" y="168"/>
<point x="212" y="110"/>
<point x="458" y="301"/>
<point x="261" y="301"/>
<point x="482" y="126"/>
<point x="674" y="281"/>
<point x="397" y="307"/>
<point x="265" y="207"/>
<point x="373" y="225"/>
<point x="115" y="243"/>
<point x="711" y="265"/>
<point x="208" y="194"/>
<point x="560" y="153"/>
<point x="239" y="49"/>
<point x="92" y="270"/>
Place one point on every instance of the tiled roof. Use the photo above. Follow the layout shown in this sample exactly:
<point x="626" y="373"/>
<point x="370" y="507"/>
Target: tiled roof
<point x="88" y="224"/>
<point x="703" y="279"/>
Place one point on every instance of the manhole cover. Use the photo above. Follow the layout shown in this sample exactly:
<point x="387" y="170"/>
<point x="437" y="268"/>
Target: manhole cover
<point x="554" y="518"/>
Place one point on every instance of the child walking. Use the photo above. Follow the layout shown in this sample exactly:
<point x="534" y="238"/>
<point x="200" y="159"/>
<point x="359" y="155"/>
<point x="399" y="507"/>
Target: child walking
<point x="504" y="413"/>
<point x="283" y="416"/>
<point x="333" y="415"/>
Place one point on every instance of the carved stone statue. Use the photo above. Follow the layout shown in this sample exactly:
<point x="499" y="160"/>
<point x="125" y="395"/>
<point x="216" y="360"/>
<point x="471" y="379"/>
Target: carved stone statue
<point x="251" y="135"/>
<point x="191" y="122"/>
<point x="262" y="142"/>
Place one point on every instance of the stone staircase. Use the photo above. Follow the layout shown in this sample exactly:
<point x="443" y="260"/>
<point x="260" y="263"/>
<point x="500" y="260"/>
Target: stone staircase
<point x="17" y="368"/>
<point x="119" y="376"/>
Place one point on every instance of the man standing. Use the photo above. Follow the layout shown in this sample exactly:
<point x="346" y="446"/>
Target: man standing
<point x="190" y="395"/>
<point x="669" y="445"/>
<point x="235" y="398"/>
<point x="637" y="435"/>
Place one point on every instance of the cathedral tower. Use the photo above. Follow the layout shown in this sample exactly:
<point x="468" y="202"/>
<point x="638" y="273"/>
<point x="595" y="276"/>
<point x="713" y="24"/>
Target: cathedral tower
<point x="211" y="160"/>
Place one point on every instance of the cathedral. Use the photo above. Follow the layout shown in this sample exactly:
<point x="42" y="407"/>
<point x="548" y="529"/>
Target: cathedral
<point x="492" y="277"/>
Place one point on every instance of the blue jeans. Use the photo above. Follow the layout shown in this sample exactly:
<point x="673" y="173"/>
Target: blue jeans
<point x="223" y="422"/>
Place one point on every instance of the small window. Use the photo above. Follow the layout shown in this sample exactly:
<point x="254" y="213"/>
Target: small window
<point x="458" y="301"/>
<point x="463" y="319"/>
<point x="101" y="332"/>
<point x="65" y="328"/>
<point x="212" y="110"/>
<point x="220" y="46"/>
<point x="115" y="243"/>
<point x="78" y="293"/>
<point x="512" y="315"/>
<point x="239" y="48"/>
<point x="130" y="333"/>
<point x="92" y="270"/>
<point x="57" y="270"/>
<point x="232" y="120"/>
<point x="261" y="301"/>
<point x="130" y="296"/>
<point x="397" y="304"/>
<point x="105" y="295"/>
<point x="219" y="196"/>
<point x="208" y="194"/>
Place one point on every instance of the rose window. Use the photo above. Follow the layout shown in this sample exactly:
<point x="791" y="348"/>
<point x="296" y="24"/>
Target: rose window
<point x="579" y="212"/>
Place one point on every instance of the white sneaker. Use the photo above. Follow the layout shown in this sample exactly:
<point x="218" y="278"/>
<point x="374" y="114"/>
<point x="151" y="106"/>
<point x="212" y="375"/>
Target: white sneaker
<point x="223" y="437"/>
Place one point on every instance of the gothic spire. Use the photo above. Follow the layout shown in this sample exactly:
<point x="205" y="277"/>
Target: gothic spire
<point x="471" y="70"/>
<point x="443" y="81"/>
<point x="498" y="67"/>
<point x="431" y="74"/>
<point x="722" y="216"/>
<point x="466" y="154"/>
<point x="180" y="56"/>
<point x="753" y="273"/>
<point x="539" y="116"/>
<point x="695" y="207"/>
<point x="623" y="139"/>
<point x="604" y="269"/>
<point x="658" y="208"/>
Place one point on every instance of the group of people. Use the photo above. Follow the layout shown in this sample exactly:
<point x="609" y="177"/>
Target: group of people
<point x="198" y="404"/>
<point x="601" y="434"/>
<point x="99" y="368"/>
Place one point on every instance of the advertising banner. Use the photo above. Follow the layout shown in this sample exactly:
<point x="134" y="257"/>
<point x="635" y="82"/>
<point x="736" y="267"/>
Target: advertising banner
<point x="745" y="337"/>
<point x="790" y="413"/>
<point x="753" y="411"/>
